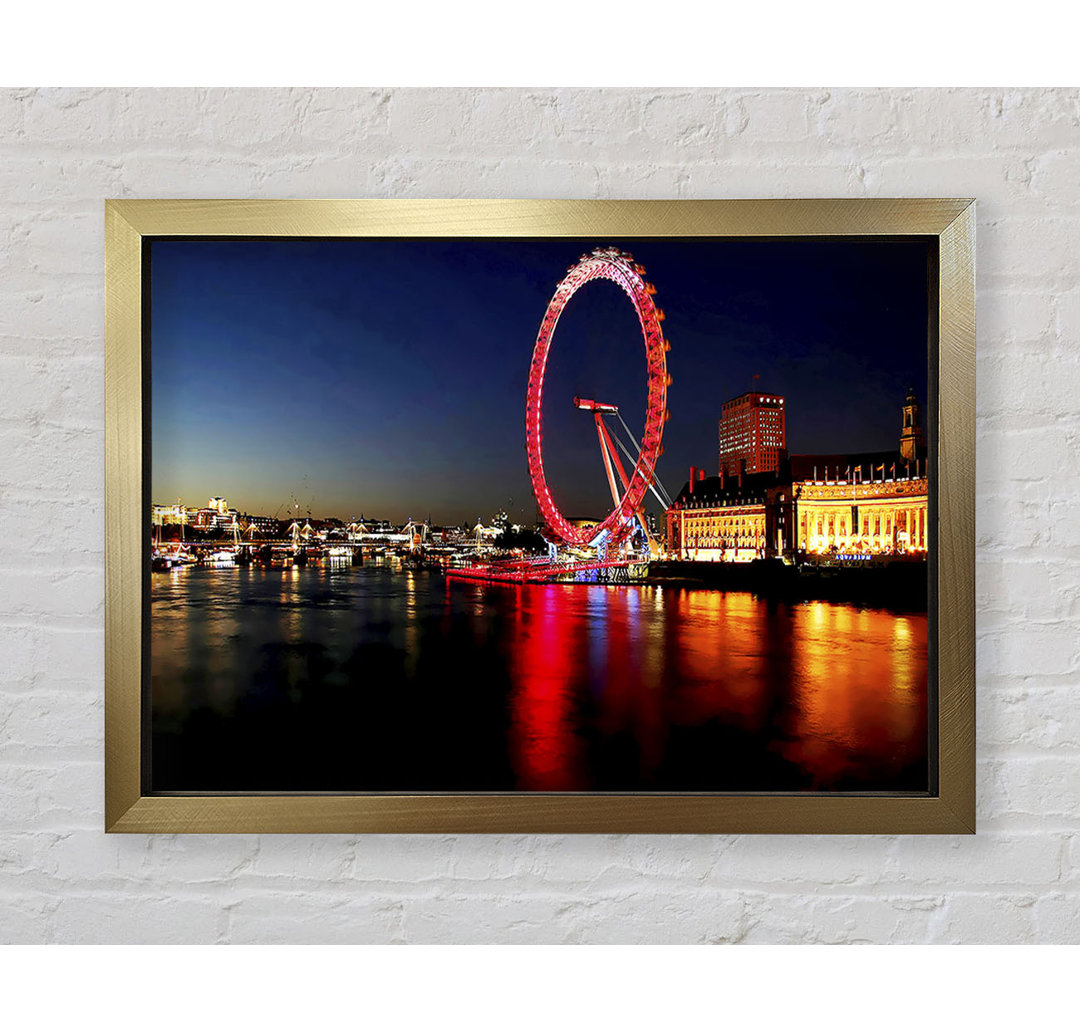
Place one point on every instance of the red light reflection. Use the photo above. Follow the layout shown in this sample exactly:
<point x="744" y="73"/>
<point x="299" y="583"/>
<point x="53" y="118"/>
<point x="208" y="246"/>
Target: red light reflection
<point x="835" y="692"/>
<point x="544" y="746"/>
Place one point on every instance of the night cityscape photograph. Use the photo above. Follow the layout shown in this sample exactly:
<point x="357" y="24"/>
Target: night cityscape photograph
<point x="558" y="515"/>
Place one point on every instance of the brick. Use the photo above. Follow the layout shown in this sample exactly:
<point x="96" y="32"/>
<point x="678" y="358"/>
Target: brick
<point x="684" y="915"/>
<point x="973" y="918"/>
<point x="694" y="129"/>
<point x="1037" y="718"/>
<point x="71" y="651"/>
<point x="369" y="859"/>
<point x="73" y="720"/>
<point x="771" y="117"/>
<point x="317" y="918"/>
<point x="1028" y="650"/>
<point x="510" y="917"/>
<point x="1002" y="859"/>
<point x="1025" y="315"/>
<point x="66" y="116"/>
<point x="499" y="117"/>
<point x="149" y="917"/>
<point x="808" y="860"/>
<point x="1047" y="118"/>
<point x="430" y="121"/>
<point x="1057" y="918"/>
<point x="869" y="118"/>
<point x="35" y="390"/>
<point x="832" y="919"/>
<point x="63" y="797"/>
<point x="1035" y="788"/>
<point x="35" y="521"/>
<point x="65" y="592"/>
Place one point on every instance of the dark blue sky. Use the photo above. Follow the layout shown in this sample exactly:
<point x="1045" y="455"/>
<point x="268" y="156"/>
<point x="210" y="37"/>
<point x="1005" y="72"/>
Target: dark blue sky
<point x="388" y="377"/>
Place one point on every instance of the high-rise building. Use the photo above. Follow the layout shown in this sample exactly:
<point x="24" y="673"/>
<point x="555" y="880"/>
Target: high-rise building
<point x="753" y="435"/>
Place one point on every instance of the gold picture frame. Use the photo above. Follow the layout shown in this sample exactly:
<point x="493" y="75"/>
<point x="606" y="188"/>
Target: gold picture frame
<point x="951" y="809"/>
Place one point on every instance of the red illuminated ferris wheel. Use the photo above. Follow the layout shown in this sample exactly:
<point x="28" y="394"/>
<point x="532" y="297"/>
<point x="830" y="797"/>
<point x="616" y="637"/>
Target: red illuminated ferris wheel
<point x="619" y="267"/>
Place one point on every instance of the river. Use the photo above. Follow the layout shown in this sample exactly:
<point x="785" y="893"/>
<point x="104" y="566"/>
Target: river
<point x="366" y="679"/>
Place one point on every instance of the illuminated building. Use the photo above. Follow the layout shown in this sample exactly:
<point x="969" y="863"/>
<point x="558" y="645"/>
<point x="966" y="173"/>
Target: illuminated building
<point x="861" y="508"/>
<point x="259" y="526"/>
<point x="723" y="519"/>
<point x="215" y="515"/>
<point x="753" y="435"/>
<point x="160" y="515"/>
<point x="870" y="503"/>
<point x="815" y="507"/>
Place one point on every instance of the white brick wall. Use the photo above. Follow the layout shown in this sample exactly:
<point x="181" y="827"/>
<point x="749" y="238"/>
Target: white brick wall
<point x="63" y="151"/>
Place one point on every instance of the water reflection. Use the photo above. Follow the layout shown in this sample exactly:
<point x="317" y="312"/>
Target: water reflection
<point x="366" y="678"/>
<point x="545" y="749"/>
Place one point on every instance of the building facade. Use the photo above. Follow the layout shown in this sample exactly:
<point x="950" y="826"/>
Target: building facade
<point x="259" y="526"/>
<point x="723" y="519"/>
<point x="753" y="434"/>
<point x="812" y="508"/>
<point x="771" y="516"/>
<point x="861" y="518"/>
<point x="215" y="513"/>
<point x="161" y="515"/>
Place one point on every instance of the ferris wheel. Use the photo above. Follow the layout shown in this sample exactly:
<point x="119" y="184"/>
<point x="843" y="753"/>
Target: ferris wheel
<point x="619" y="267"/>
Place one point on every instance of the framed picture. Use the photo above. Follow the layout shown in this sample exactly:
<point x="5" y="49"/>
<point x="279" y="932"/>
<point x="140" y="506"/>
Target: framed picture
<point x="545" y="516"/>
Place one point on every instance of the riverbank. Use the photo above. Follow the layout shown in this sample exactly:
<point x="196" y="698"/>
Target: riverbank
<point x="900" y="584"/>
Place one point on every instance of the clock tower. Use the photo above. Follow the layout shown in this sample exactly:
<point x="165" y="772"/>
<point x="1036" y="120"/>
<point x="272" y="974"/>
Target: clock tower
<point x="911" y="436"/>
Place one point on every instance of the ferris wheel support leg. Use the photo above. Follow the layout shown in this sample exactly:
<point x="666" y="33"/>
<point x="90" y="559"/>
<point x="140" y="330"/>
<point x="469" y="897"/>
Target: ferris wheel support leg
<point x="608" y="448"/>
<point x="611" y="456"/>
<point x="605" y="451"/>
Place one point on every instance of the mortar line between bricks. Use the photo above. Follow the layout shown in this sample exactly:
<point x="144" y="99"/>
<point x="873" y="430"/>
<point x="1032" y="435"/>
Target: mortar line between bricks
<point x="435" y="889"/>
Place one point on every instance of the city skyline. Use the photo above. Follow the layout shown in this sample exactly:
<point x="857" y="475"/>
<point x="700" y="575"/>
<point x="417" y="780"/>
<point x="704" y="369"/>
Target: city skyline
<point x="388" y="377"/>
